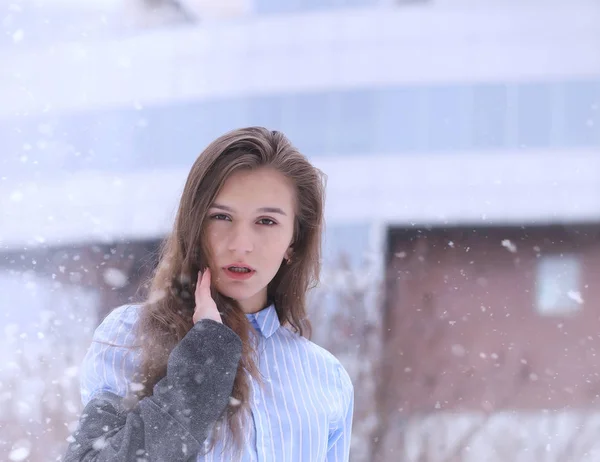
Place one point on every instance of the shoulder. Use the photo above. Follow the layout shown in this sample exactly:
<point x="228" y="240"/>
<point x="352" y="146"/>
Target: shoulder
<point x="334" y="369"/>
<point x="118" y="324"/>
<point x="112" y="357"/>
<point x="329" y="375"/>
<point x="335" y="365"/>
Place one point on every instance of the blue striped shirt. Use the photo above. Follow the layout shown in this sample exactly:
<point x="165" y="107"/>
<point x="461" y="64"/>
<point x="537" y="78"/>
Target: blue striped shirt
<point x="302" y="412"/>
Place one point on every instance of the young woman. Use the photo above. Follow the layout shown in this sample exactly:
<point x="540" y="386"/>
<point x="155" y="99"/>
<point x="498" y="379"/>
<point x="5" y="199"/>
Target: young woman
<point x="215" y="365"/>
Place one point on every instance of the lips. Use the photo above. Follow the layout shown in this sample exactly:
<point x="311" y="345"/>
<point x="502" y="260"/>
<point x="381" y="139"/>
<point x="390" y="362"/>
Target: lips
<point x="239" y="271"/>
<point x="239" y="267"/>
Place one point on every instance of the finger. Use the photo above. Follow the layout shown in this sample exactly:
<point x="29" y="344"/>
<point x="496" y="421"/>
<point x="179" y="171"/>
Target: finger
<point x="199" y="284"/>
<point x="205" y="283"/>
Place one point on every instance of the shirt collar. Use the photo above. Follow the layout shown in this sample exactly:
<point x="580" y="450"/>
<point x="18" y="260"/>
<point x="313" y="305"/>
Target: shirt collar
<point x="266" y="321"/>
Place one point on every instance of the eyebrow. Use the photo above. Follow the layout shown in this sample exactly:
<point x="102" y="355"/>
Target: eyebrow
<point x="262" y="209"/>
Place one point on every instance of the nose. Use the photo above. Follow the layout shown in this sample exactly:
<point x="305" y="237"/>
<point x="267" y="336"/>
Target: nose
<point x="240" y="240"/>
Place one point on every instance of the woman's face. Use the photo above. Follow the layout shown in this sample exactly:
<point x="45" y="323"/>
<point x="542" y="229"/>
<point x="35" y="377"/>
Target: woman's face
<point x="250" y="227"/>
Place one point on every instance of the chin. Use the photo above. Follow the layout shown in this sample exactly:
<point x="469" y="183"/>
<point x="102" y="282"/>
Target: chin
<point x="238" y="293"/>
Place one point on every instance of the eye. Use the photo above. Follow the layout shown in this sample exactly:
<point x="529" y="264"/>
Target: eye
<point x="267" y="222"/>
<point x="220" y="216"/>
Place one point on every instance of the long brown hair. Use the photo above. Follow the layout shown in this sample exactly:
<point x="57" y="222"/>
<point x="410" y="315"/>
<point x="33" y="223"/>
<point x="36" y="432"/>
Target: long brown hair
<point x="167" y="314"/>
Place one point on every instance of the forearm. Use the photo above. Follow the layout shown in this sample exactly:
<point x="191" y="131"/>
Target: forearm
<point x="173" y="422"/>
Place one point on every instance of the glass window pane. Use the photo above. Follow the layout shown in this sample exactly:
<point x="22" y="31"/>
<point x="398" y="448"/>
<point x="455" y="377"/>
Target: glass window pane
<point x="315" y="5"/>
<point x="358" y="2"/>
<point x="226" y="115"/>
<point x="448" y="114"/>
<point x="104" y="139"/>
<point x="352" y="125"/>
<point x="398" y="119"/>
<point x="266" y="111"/>
<point x="558" y="285"/>
<point x="276" y="6"/>
<point x="306" y="121"/>
<point x="489" y="116"/>
<point x="534" y="113"/>
<point x="169" y="136"/>
<point x="581" y="113"/>
<point x="13" y="138"/>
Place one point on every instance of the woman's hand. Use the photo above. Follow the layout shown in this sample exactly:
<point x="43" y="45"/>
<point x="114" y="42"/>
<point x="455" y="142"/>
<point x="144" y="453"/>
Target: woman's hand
<point x="206" y="308"/>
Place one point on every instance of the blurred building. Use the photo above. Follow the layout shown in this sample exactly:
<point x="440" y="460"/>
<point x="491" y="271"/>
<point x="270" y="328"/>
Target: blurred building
<point x="461" y="140"/>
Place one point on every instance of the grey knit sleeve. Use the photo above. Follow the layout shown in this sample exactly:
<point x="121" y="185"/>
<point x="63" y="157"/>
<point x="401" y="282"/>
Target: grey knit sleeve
<point x="173" y="422"/>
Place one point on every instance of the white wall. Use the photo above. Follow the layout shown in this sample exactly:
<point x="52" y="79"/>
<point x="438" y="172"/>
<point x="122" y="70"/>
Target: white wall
<point x="447" y="189"/>
<point x="522" y="187"/>
<point x="338" y="49"/>
<point x="35" y="22"/>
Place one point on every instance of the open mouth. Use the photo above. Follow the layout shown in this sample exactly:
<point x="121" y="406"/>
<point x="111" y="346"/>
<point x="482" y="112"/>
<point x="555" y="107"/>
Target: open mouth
<point x="239" y="269"/>
<point x="239" y="272"/>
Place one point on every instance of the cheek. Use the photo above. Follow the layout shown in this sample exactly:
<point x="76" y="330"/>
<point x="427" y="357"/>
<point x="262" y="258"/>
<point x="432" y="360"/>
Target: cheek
<point x="276" y="246"/>
<point x="214" y="239"/>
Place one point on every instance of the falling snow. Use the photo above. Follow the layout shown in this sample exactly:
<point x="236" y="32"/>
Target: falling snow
<point x="575" y="296"/>
<point x="18" y="36"/>
<point x="115" y="278"/>
<point x="65" y="183"/>
<point x="509" y="245"/>
<point x="234" y="401"/>
<point x="135" y="386"/>
<point x="19" y="454"/>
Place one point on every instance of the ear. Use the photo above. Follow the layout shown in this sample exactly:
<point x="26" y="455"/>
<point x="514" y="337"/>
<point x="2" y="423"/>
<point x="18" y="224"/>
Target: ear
<point x="288" y="253"/>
